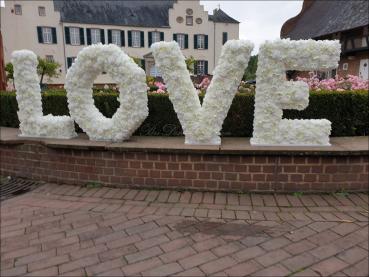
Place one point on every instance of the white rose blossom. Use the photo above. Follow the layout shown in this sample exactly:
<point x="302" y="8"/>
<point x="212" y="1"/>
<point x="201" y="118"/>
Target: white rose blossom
<point x="28" y="93"/>
<point x="274" y="93"/>
<point x="202" y="124"/>
<point x="131" y="80"/>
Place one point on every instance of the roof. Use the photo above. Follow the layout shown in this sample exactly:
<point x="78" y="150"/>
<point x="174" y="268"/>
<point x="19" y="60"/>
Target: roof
<point x="138" y="13"/>
<point x="220" y="16"/>
<point x="110" y="12"/>
<point x="327" y="17"/>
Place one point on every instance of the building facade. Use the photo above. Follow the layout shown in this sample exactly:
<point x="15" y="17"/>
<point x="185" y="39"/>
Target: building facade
<point x="346" y="21"/>
<point x="59" y="29"/>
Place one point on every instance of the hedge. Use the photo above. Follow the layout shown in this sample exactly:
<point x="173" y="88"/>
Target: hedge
<point x="348" y="111"/>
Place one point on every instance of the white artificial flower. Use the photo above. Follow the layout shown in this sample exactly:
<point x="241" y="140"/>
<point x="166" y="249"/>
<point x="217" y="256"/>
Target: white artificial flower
<point x="28" y="93"/>
<point x="274" y="93"/>
<point x="202" y="124"/>
<point x="131" y="80"/>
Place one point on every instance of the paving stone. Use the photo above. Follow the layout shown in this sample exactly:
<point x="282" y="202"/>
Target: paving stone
<point x="134" y="269"/>
<point x="353" y="255"/>
<point x="329" y="266"/>
<point x="177" y="254"/>
<point x="217" y="265"/>
<point x="243" y="269"/>
<point x="144" y="254"/>
<point x="248" y="253"/>
<point x="275" y="270"/>
<point x="299" y="247"/>
<point x="148" y="233"/>
<point x="164" y="270"/>
<point x="272" y="257"/>
<point x="197" y="259"/>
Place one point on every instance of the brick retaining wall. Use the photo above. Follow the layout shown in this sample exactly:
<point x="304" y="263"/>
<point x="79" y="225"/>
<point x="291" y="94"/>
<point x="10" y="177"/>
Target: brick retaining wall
<point x="264" y="171"/>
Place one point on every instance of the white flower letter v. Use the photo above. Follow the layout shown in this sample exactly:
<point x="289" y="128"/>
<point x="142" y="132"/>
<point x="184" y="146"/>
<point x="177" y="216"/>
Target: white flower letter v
<point x="202" y="124"/>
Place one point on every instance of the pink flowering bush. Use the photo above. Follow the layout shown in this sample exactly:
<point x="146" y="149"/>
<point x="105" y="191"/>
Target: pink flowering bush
<point x="204" y="84"/>
<point x="350" y="82"/>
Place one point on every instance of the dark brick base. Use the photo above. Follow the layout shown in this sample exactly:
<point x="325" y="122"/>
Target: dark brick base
<point x="186" y="170"/>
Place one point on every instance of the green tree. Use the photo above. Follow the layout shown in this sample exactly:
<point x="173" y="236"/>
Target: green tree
<point x="9" y="72"/>
<point x="250" y="72"/>
<point x="47" y="68"/>
<point x="190" y="61"/>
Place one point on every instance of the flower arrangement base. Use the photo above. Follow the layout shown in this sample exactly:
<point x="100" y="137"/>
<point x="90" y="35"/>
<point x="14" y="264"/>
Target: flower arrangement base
<point x="214" y="141"/>
<point x="168" y="163"/>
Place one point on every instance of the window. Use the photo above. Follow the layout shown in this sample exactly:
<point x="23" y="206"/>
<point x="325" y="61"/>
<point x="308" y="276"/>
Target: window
<point x="200" y="42"/>
<point x="189" y="20"/>
<point x="154" y="72"/>
<point x="95" y="36"/>
<point x="47" y="35"/>
<point x="345" y="66"/>
<point x="70" y="61"/>
<point x="41" y="11"/>
<point x="155" y="36"/>
<point x="181" y="40"/>
<point x="116" y="37"/>
<point x="18" y="9"/>
<point x="50" y="58"/>
<point x="201" y="67"/>
<point x="225" y="37"/>
<point x="74" y="36"/>
<point x="136" y="39"/>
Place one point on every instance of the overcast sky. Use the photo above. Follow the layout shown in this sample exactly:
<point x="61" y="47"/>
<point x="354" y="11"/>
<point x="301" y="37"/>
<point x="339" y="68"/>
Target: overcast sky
<point x="260" y="20"/>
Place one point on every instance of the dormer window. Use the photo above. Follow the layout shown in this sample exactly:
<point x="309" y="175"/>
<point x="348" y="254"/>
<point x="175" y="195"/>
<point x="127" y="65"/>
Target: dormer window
<point x="189" y="20"/>
<point x="41" y="11"/>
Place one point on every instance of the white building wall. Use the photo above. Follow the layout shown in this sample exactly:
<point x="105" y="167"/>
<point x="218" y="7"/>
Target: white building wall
<point x="20" y="32"/>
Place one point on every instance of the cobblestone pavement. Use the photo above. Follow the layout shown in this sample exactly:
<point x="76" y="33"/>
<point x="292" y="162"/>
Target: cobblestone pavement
<point x="74" y="231"/>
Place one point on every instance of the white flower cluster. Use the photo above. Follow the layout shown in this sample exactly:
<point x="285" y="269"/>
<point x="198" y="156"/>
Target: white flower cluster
<point x="274" y="93"/>
<point x="32" y="121"/>
<point x="202" y="124"/>
<point x="131" y="80"/>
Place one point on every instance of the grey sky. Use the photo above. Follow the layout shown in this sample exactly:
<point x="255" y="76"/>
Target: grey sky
<point x="260" y="20"/>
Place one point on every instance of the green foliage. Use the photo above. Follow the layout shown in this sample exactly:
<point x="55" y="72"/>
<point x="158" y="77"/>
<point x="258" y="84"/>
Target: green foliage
<point x="250" y="72"/>
<point x="44" y="68"/>
<point x="348" y="111"/>
<point x="93" y="185"/>
<point x="47" y="68"/>
<point x="190" y="62"/>
<point x="9" y="71"/>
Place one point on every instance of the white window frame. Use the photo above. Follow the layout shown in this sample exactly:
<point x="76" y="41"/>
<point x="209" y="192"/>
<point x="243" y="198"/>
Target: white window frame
<point x="189" y="20"/>
<point x="116" y="38"/>
<point x="136" y="39"/>
<point x="50" y="58"/>
<point x="95" y="36"/>
<point x="41" y="11"/>
<point x="155" y="37"/>
<point x="200" y="41"/>
<point x="181" y="40"/>
<point x="47" y="35"/>
<point x="345" y="66"/>
<point x="75" y="38"/>
<point x="18" y="9"/>
<point x="154" y="71"/>
<point x="200" y="67"/>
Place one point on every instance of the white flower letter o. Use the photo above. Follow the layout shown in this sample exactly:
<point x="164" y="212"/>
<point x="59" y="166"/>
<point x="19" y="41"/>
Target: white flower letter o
<point x="32" y="121"/>
<point x="131" y="80"/>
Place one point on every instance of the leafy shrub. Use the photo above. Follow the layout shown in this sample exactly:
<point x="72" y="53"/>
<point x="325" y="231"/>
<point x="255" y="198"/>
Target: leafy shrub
<point x="348" y="111"/>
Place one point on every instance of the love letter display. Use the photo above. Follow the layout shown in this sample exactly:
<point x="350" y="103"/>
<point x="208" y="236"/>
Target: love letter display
<point x="32" y="121"/>
<point x="274" y="93"/>
<point x="202" y="124"/>
<point x="131" y="80"/>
